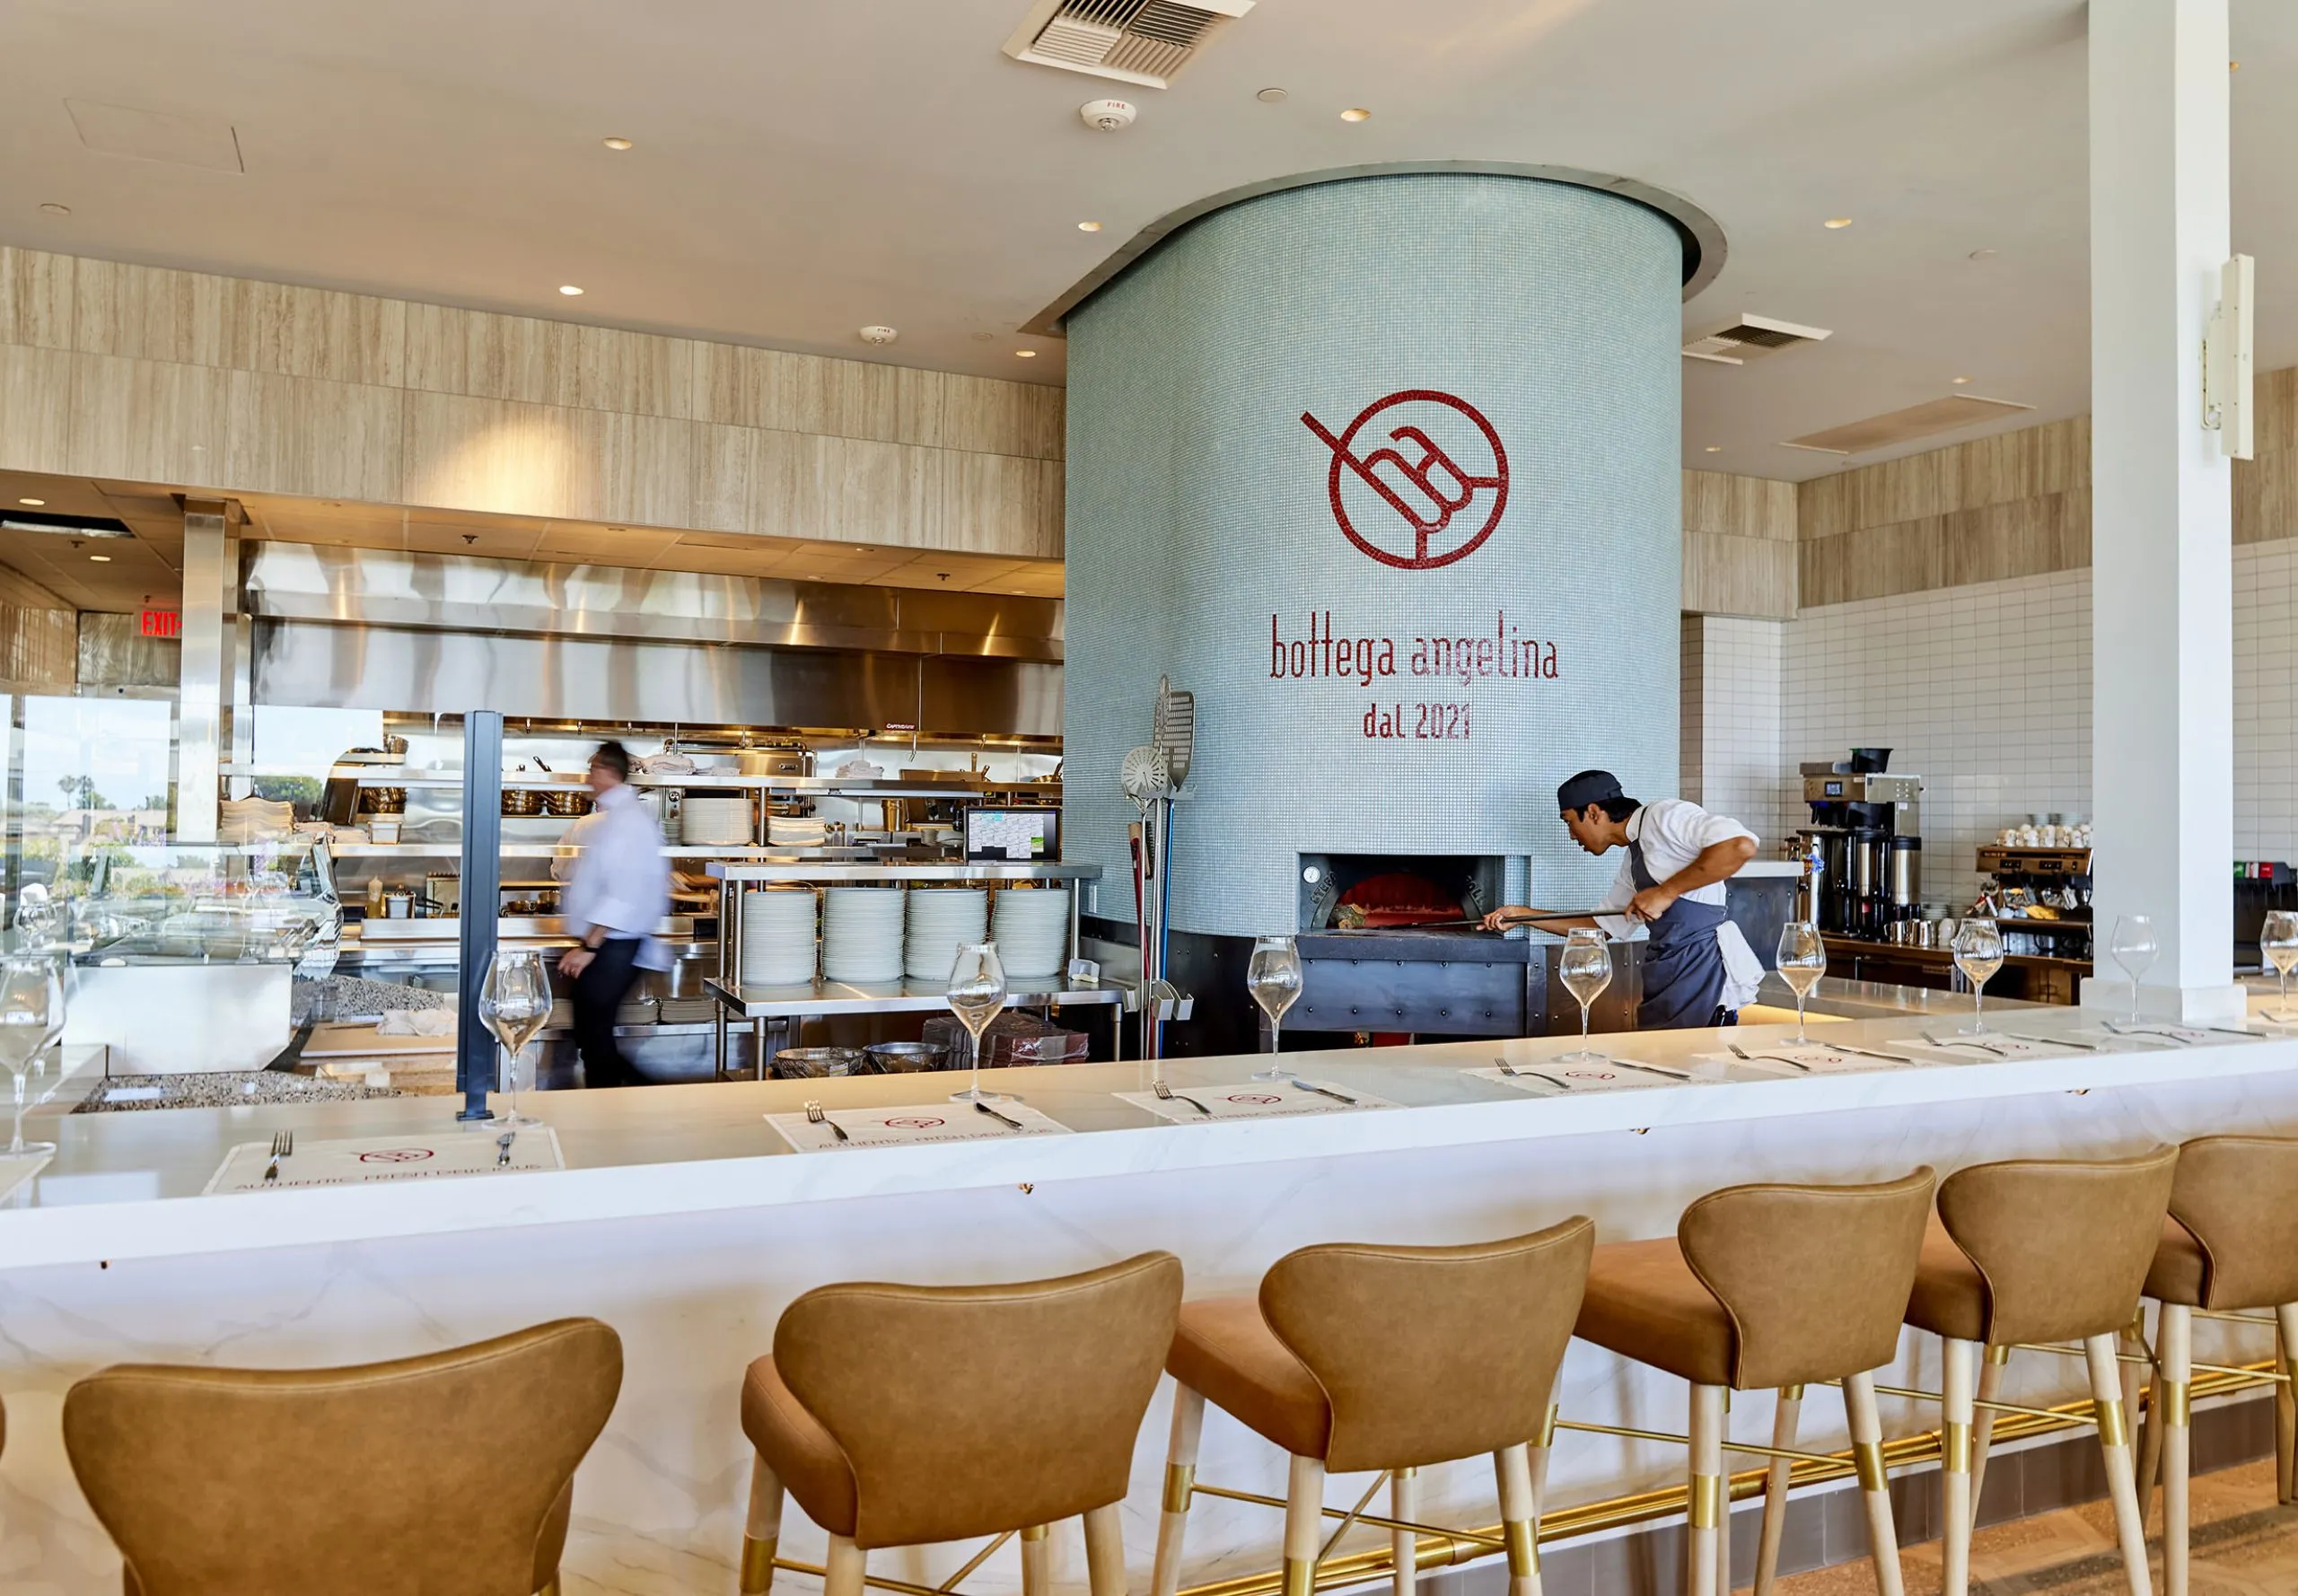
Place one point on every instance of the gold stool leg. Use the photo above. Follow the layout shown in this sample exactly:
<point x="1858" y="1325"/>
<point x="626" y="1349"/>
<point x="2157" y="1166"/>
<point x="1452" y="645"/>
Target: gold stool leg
<point x="2285" y="1401"/>
<point x="1105" y="1552"/>
<point x="1961" y="1359"/>
<point x="1404" y="1506"/>
<point x="2174" y="1417"/>
<point x="762" y="1530"/>
<point x="1540" y="1461"/>
<point x="1990" y="1389"/>
<point x="1305" y="1505"/>
<point x="1705" y="1509"/>
<point x="844" y="1568"/>
<point x="1519" y="1519"/>
<point x="1786" y="1417"/>
<point x="1035" y="1580"/>
<point x="1181" y="1479"/>
<point x="2114" y="1442"/>
<point x="1874" y="1488"/>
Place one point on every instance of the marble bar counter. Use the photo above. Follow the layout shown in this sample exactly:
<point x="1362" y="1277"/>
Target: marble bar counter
<point x="686" y="1220"/>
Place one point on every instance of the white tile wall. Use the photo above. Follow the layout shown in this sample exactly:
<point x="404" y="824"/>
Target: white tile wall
<point x="1983" y="691"/>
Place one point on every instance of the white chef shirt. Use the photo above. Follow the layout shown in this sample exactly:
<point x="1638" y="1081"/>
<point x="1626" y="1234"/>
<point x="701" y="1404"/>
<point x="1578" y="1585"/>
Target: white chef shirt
<point x="621" y="880"/>
<point x="1672" y="832"/>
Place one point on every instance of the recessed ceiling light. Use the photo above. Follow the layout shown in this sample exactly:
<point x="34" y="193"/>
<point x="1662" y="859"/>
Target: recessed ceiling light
<point x="35" y="503"/>
<point x="1357" y="113"/>
<point x="1026" y="354"/>
<point x="53" y="209"/>
<point x="1958" y="382"/>
<point x="1271" y="96"/>
<point x="615" y="144"/>
<point x="1089" y="226"/>
<point x="569" y="289"/>
<point x="1715" y="449"/>
<point x="101" y="559"/>
<point x="1839" y="221"/>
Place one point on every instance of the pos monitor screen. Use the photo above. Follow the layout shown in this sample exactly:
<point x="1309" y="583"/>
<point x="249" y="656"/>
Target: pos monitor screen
<point x="1013" y="835"/>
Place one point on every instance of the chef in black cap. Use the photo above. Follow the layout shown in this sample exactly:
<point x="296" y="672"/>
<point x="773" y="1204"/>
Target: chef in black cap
<point x="1697" y="968"/>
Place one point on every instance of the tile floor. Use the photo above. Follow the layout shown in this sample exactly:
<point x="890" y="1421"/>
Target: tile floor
<point x="2243" y="1545"/>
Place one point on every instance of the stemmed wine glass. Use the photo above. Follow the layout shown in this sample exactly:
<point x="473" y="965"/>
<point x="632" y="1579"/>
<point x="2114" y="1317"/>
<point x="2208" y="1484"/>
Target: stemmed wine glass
<point x="1274" y="979"/>
<point x="1978" y="954"/>
<point x="977" y="993"/>
<point x="514" y="1003"/>
<point x="2278" y="941"/>
<point x="36" y="917"/>
<point x="2133" y="947"/>
<point x="31" y="1015"/>
<point x="1803" y="960"/>
<point x="1585" y="968"/>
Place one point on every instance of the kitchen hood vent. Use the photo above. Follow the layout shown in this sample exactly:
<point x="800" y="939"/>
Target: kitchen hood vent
<point x="1133" y="41"/>
<point x="1750" y="338"/>
<point x="1932" y="416"/>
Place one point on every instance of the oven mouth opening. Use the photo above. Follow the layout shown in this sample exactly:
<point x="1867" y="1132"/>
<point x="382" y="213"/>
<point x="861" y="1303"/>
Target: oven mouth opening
<point x="1398" y="892"/>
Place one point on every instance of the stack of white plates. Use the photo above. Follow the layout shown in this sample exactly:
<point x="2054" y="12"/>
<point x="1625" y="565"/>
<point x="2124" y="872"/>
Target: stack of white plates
<point x="1031" y="929"/>
<point x="940" y="918"/>
<point x="708" y="820"/>
<point x="796" y="831"/>
<point x="862" y="933"/>
<point x="778" y="937"/>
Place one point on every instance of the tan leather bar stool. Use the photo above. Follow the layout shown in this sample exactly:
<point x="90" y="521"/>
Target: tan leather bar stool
<point x="1359" y="1358"/>
<point x="906" y="1415"/>
<point x="2229" y="1246"/>
<point x="1767" y="1288"/>
<point x="2027" y="1253"/>
<point x="446" y="1475"/>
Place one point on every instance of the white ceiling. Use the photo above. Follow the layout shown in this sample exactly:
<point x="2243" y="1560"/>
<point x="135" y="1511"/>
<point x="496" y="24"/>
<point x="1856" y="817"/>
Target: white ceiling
<point x="805" y="167"/>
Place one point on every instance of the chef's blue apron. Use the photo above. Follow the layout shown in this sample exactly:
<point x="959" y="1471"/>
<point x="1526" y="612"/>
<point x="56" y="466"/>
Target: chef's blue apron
<point x="1683" y="966"/>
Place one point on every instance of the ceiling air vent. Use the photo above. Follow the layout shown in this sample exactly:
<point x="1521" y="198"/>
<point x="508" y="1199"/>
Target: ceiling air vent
<point x="1135" y="41"/>
<point x="1951" y="414"/>
<point x="1750" y="338"/>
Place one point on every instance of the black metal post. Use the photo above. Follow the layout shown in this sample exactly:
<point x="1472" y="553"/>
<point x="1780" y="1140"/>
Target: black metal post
<point x="481" y="896"/>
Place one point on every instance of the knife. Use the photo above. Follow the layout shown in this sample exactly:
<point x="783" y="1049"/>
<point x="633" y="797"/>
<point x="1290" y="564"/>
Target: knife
<point x="1338" y="1097"/>
<point x="1001" y="1119"/>
<point x="1657" y="1069"/>
<point x="1870" y="1053"/>
<point x="2052" y="1041"/>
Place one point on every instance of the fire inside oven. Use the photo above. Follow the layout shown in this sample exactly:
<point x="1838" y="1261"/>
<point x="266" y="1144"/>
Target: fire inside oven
<point x="1377" y="891"/>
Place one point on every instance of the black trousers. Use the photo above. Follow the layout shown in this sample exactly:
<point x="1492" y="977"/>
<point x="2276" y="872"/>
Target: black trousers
<point x="598" y="992"/>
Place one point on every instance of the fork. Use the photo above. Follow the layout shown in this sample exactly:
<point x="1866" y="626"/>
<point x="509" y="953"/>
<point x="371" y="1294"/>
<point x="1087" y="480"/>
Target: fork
<point x="283" y="1146"/>
<point x="814" y="1115"/>
<point x="1959" y="1042"/>
<point x="1513" y="1074"/>
<point x="1168" y="1094"/>
<point x="1742" y="1053"/>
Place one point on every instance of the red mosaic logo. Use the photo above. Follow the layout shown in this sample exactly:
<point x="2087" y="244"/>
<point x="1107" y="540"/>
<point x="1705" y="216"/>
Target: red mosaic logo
<point x="396" y="1155"/>
<point x="1441" y="462"/>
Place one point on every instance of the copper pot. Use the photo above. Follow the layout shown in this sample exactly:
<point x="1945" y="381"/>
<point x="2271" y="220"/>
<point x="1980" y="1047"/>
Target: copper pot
<point x="567" y="804"/>
<point x="522" y="800"/>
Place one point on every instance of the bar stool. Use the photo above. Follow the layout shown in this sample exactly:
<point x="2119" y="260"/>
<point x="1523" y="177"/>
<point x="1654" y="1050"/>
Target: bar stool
<point x="904" y="1414"/>
<point x="1355" y="1359"/>
<point x="1767" y="1287"/>
<point x="2026" y="1253"/>
<point x="2230" y="1244"/>
<point x="446" y="1475"/>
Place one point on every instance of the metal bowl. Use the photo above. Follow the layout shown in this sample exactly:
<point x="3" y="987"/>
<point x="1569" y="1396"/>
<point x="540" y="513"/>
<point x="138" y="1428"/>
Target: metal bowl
<point x="522" y="800"/>
<point x="569" y="803"/>
<point x="902" y="1058"/>
<point x="807" y="1064"/>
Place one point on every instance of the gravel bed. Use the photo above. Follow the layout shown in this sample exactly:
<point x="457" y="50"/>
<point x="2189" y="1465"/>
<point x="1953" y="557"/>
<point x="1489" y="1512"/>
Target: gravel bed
<point x="227" y="1089"/>
<point x="356" y="994"/>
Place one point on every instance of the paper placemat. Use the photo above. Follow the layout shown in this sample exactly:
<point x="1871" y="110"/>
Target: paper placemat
<point x="912" y="1122"/>
<point x="1810" y="1058"/>
<point x="1993" y="1044"/>
<point x="1548" y="1077"/>
<point x="1250" y="1100"/>
<point x="368" y="1159"/>
<point x="14" y="1171"/>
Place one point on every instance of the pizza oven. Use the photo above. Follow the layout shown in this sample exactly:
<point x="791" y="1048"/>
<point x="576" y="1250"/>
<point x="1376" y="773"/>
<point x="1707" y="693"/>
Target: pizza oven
<point x="1398" y="891"/>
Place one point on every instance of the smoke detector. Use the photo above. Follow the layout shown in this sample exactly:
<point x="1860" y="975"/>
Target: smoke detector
<point x="878" y="335"/>
<point x="1133" y="41"/>
<point x="1107" y="116"/>
<point x="1750" y="338"/>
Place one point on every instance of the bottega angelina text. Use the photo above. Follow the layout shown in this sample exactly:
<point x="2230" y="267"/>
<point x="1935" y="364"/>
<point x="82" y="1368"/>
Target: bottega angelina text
<point x="1505" y="652"/>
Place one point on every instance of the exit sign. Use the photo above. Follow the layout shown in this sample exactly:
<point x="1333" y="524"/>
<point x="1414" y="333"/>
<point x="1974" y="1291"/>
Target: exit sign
<point x="163" y="623"/>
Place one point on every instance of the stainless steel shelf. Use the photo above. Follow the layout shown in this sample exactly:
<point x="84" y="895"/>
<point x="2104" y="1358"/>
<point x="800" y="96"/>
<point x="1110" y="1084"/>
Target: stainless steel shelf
<point x="821" y="997"/>
<point x="754" y="874"/>
<point x="958" y="786"/>
<point x="560" y="850"/>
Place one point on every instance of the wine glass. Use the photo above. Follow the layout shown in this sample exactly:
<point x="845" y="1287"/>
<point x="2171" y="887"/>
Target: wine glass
<point x="1585" y="968"/>
<point x="514" y="1003"/>
<point x="2133" y="948"/>
<point x="1274" y="979"/>
<point x="36" y="916"/>
<point x="31" y="1015"/>
<point x="1803" y="960"/>
<point x="977" y="993"/>
<point x="1978" y="954"/>
<point x="2278" y="941"/>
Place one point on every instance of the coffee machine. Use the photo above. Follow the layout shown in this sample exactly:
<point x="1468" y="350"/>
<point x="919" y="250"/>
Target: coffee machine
<point x="1867" y="837"/>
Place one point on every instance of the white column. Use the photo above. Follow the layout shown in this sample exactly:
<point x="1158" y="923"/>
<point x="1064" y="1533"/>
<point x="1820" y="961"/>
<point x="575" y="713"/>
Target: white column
<point x="2162" y="527"/>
